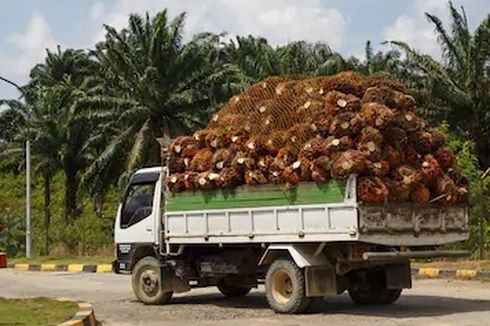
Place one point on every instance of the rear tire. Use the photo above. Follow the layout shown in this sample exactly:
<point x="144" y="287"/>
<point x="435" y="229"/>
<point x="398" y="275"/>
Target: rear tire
<point x="146" y="282"/>
<point x="285" y="287"/>
<point x="233" y="291"/>
<point x="369" y="288"/>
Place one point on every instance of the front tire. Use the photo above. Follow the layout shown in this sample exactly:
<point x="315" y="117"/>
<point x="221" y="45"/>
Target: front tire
<point x="369" y="288"/>
<point x="146" y="282"/>
<point x="285" y="287"/>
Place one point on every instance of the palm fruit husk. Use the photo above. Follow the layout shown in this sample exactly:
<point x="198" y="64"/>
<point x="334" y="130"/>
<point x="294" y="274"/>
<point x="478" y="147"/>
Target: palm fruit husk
<point x="313" y="148"/>
<point x="404" y="101"/>
<point x="347" y="82"/>
<point x="385" y="80"/>
<point x="222" y="158"/>
<point x="392" y="156"/>
<point x="229" y="178"/>
<point x="407" y="175"/>
<point x="438" y="138"/>
<point x="372" y="190"/>
<point x="410" y="156"/>
<point x="191" y="181"/>
<point x="462" y="195"/>
<point x="176" y="164"/>
<point x="238" y="140"/>
<point x="229" y="121"/>
<point x="276" y="176"/>
<point x="422" y="141"/>
<point x="396" y="137"/>
<point x="420" y="194"/>
<point x="457" y="177"/>
<point x="333" y="144"/>
<point x="337" y="102"/>
<point x="378" y="169"/>
<point x="175" y="183"/>
<point x="305" y="173"/>
<point x="242" y="162"/>
<point x="380" y="94"/>
<point x="446" y="187"/>
<point x="255" y="177"/>
<point x="320" y="169"/>
<point x="399" y="192"/>
<point x="445" y="156"/>
<point x="346" y="124"/>
<point x="256" y="146"/>
<point x="217" y="139"/>
<point x="202" y="161"/>
<point x="346" y="163"/>
<point x="284" y="158"/>
<point x="200" y="137"/>
<point x="370" y="141"/>
<point x="184" y="146"/>
<point x="276" y="141"/>
<point x="430" y="170"/>
<point x="408" y="121"/>
<point x="207" y="180"/>
<point x="299" y="133"/>
<point x="265" y="163"/>
<point x="377" y="115"/>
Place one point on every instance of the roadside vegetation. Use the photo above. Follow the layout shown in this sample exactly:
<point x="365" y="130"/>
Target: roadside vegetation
<point x="36" y="311"/>
<point x="93" y="116"/>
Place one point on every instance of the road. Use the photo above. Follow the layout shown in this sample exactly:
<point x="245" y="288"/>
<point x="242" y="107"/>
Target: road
<point x="430" y="302"/>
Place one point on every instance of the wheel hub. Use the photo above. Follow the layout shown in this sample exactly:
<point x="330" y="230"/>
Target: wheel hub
<point x="149" y="282"/>
<point x="282" y="287"/>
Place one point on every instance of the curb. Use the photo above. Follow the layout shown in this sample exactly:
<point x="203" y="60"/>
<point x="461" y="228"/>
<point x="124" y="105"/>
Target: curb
<point x="75" y="268"/>
<point x="460" y="274"/>
<point x="84" y="317"/>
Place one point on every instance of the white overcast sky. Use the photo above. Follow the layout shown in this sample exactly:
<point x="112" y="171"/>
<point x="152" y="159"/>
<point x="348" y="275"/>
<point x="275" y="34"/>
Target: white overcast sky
<point x="28" y="27"/>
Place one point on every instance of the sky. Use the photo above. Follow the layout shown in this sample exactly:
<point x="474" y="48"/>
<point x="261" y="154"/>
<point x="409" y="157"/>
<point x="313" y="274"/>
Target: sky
<point x="29" y="27"/>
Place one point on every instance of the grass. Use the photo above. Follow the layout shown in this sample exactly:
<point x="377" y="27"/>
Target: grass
<point x="36" y="311"/>
<point x="456" y="264"/>
<point x="61" y="260"/>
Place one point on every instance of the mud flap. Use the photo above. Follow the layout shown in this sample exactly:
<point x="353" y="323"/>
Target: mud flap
<point x="170" y="282"/>
<point x="398" y="276"/>
<point x="320" y="281"/>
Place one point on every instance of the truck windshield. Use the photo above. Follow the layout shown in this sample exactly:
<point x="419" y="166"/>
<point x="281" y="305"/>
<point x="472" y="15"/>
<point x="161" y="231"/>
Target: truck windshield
<point x="137" y="204"/>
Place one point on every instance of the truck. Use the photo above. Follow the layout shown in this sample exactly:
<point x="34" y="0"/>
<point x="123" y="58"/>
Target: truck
<point x="312" y="241"/>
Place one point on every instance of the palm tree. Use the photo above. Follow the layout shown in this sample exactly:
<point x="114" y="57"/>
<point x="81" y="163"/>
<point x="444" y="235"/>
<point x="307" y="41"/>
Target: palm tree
<point x="54" y="90"/>
<point x="155" y="84"/>
<point x="460" y="84"/>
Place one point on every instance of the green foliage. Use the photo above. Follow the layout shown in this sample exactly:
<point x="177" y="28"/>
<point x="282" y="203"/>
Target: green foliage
<point x="467" y="163"/>
<point x="93" y="117"/>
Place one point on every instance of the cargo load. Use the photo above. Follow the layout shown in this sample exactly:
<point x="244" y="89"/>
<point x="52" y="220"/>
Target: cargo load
<point x="284" y="131"/>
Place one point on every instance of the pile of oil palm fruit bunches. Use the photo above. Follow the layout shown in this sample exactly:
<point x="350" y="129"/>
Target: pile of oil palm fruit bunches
<point x="288" y="131"/>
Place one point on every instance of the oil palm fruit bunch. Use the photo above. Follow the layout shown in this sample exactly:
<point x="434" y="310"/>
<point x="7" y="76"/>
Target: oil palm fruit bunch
<point x="292" y="130"/>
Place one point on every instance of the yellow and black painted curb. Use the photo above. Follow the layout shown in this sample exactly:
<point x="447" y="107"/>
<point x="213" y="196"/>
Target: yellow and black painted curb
<point x="80" y="268"/>
<point x="462" y="274"/>
<point x="84" y="317"/>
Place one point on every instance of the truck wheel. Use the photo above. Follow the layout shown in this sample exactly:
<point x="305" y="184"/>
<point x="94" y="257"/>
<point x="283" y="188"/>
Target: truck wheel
<point x="285" y="287"/>
<point x="147" y="284"/>
<point x="233" y="291"/>
<point x="370" y="289"/>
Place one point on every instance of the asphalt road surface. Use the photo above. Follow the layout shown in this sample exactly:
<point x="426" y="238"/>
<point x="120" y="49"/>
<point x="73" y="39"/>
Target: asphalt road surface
<point x="430" y="302"/>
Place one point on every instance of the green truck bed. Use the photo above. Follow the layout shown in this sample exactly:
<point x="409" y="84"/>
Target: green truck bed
<point x="257" y="196"/>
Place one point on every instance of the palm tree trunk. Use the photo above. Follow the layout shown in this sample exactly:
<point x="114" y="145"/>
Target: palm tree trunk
<point x="47" y="209"/>
<point x="71" y="187"/>
<point x="98" y="204"/>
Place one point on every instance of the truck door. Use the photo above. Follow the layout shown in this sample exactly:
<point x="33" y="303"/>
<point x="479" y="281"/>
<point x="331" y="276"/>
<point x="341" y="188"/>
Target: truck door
<point x="135" y="222"/>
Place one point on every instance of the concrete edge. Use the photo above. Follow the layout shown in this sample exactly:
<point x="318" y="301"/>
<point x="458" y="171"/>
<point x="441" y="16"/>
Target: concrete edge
<point x="75" y="268"/>
<point x="461" y="274"/>
<point x="84" y="317"/>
